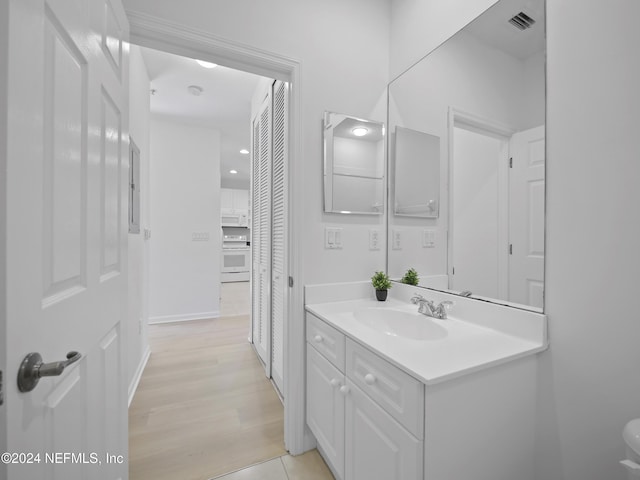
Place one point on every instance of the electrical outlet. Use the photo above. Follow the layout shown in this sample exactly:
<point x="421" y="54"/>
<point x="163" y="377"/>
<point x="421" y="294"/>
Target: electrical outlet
<point x="396" y="240"/>
<point x="374" y="239"/>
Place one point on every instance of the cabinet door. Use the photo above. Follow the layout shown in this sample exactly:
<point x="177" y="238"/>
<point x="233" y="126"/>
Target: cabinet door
<point x="325" y="408"/>
<point x="378" y="447"/>
<point x="226" y="200"/>
<point x="241" y="201"/>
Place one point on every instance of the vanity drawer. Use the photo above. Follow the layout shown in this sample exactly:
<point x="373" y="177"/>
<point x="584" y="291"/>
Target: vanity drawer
<point x="398" y="393"/>
<point x="327" y="340"/>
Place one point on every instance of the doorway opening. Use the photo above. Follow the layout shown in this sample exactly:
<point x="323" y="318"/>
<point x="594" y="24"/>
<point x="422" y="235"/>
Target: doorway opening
<point x="149" y="31"/>
<point x="176" y="178"/>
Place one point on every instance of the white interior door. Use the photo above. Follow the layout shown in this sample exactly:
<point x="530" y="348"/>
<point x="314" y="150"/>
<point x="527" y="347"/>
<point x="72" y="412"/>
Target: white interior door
<point x="479" y="213"/>
<point x="66" y="227"/>
<point x="526" y="217"/>
<point x="261" y="234"/>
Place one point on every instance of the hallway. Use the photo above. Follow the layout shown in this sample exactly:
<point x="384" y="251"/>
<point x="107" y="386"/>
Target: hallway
<point x="203" y="407"/>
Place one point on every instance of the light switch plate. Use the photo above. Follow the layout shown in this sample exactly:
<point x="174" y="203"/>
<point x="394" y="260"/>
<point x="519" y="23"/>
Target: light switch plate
<point x="428" y="238"/>
<point x="332" y="238"/>
<point x="200" y="237"/>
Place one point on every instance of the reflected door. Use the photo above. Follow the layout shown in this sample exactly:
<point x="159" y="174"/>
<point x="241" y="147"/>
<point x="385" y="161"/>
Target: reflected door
<point x="526" y="217"/>
<point x="479" y="225"/>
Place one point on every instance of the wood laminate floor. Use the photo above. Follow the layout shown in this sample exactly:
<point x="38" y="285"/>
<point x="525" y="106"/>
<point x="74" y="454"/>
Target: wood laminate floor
<point x="204" y="406"/>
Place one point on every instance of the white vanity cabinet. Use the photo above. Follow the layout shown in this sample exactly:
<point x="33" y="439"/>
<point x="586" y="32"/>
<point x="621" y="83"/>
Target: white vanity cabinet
<point x="377" y="447"/>
<point x="367" y="415"/>
<point x="325" y="407"/>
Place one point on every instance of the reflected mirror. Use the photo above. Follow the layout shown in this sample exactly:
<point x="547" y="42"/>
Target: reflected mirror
<point x="354" y="180"/>
<point x="477" y="103"/>
<point x="416" y="174"/>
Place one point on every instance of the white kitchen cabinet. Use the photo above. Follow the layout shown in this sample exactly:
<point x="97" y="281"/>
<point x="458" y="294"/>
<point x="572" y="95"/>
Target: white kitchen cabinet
<point x="356" y="432"/>
<point x="234" y="200"/>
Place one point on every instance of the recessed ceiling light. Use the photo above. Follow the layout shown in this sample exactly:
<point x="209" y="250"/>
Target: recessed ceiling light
<point x="244" y="151"/>
<point x="195" y="90"/>
<point x="204" y="64"/>
<point x="360" y="131"/>
<point x="233" y="172"/>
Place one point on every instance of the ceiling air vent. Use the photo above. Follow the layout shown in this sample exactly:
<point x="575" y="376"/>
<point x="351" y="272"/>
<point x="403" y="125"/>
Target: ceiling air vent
<point x="522" y="21"/>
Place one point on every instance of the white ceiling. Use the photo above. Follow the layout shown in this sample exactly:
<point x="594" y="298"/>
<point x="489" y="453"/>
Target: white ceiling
<point x="225" y="103"/>
<point x="345" y="125"/>
<point x="494" y="29"/>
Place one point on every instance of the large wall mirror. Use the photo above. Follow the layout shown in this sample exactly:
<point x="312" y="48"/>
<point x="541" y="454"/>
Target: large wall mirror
<point x="474" y="222"/>
<point x="354" y="165"/>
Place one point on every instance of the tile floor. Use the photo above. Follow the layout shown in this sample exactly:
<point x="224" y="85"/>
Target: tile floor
<point x="235" y="300"/>
<point x="309" y="466"/>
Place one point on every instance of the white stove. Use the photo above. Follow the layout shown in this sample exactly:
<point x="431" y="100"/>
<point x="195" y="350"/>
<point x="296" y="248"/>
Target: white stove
<point x="236" y="258"/>
<point x="234" y="242"/>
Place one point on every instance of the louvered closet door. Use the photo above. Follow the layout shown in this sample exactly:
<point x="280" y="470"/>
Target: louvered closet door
<point x="279" y="215"/>
<point x="261" y="233"/>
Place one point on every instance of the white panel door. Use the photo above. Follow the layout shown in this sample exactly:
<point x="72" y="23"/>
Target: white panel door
<point x="479" y="213"/>
<point x="278" y="224"/>
<point x="66" y="233"/>
<point x="261" y="234"/>
<point x="377" y="447"/>
<point x="526" y="217"/>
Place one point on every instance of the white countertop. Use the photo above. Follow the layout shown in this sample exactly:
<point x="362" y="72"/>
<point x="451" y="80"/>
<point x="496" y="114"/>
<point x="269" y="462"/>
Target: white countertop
<point x="467" y="346"/>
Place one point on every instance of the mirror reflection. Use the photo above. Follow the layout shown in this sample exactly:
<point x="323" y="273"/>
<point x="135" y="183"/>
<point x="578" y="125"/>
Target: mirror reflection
<point x="482" y="94"/>
<point x="416" y="174"/>
<point x="353" y="165"/>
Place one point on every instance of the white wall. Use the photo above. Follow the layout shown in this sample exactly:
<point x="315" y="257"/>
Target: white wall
<point x="185" y="194"/>
<point x="139" y="117"/>
<point x="419" y="26"/>
<point x="588" y="382"/>
<point x="343" y="50"/>
<point x="589" y="386"/>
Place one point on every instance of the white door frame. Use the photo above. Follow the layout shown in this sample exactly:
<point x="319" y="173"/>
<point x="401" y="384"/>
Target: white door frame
<point x="4" y="118"/>
<point x="153" y="32"/>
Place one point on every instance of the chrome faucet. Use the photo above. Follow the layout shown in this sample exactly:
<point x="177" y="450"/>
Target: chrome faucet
<point x="428" y="308"/>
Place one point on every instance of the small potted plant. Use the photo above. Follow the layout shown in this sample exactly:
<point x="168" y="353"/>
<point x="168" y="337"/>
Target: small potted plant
<point x="411" y="277"/>
<point x="382" y="284"/>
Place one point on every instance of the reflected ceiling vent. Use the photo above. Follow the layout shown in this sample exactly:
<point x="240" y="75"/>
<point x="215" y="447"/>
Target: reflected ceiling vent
<point x="522" y="21"/>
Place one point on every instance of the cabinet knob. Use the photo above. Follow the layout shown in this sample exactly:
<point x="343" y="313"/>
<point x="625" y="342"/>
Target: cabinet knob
<point x="334" y="382"/>
<point x="369" y="379"/>
<point x="318" y="338"/>
<point x="344" y="389"/>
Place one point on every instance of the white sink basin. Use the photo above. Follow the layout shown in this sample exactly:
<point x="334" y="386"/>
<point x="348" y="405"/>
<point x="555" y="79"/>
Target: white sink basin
<point x="397" y="323"/>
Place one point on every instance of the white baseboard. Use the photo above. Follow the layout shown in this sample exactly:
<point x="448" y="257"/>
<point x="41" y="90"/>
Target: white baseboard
<point x="133" y="386"/>
<point x="184" y="317"/>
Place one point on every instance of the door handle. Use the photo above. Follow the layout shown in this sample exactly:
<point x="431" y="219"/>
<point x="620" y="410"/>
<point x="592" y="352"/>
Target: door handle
<point x="33" y="368"/>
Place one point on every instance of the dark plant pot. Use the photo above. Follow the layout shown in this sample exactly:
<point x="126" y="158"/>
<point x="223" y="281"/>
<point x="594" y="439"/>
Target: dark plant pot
<point x="381" y="295"/>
